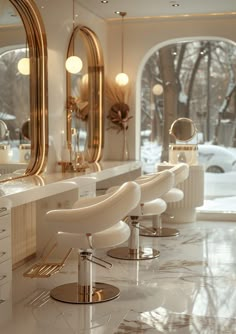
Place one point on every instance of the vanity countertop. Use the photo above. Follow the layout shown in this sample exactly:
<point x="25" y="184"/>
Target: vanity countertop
<point x="31" y="188"/>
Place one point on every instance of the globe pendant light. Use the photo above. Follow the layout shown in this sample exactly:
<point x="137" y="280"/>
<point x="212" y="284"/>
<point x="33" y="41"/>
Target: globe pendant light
<point x="122" y="78"/>
<point x="73" y="63"/>
<point x="24" y="64"/>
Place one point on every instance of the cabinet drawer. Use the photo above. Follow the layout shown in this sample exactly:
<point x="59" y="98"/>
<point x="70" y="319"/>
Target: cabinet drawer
<point x="4" y="210"/>
<point x="5" y="226"/>
<point x="5" y="249"/>
<point x="5" y="272"/>
<point x="5" y="302"/>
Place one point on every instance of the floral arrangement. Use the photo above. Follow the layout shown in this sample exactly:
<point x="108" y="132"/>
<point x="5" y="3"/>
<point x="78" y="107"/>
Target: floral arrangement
<point x="79" y="107"/>
<point x="119" y="109"/>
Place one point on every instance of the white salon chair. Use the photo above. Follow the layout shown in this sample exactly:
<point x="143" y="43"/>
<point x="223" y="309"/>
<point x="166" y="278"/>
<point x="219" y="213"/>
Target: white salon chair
<point x="181" y="173"/>
<point x="150" y="204"/>
<point x="93" y="223"/>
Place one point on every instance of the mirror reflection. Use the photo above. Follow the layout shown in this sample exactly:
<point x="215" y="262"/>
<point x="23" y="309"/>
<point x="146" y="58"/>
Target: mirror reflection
<point x="183" y="129"/>
<point x="85" y="92"/>
<point x="14" y="88"/>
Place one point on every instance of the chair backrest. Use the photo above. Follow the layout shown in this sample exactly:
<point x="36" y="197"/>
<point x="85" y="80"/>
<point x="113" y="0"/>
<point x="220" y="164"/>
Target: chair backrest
<point x="181" y="172"/>
<point x="99" y="215"/>
<point x="156" y="185"/>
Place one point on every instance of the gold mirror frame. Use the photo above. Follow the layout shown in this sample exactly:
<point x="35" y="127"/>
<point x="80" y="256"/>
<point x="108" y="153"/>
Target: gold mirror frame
<point x="36" y="38"/>
<point x="95" y="62"/>
<point x="183" y="129"/>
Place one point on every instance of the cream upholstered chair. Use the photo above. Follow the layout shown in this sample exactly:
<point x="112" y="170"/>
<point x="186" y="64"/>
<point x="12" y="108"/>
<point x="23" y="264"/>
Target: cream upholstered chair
<point x="92" y="223"/>
<point x="150" y="204"/>
<point x="181" y="173"/>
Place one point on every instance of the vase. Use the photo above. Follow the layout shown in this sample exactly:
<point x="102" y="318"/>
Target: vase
<point x="125" y="156"/>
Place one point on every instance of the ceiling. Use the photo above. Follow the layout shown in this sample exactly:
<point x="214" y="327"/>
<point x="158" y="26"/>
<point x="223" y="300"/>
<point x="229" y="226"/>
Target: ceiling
<point x="156" y="8"/>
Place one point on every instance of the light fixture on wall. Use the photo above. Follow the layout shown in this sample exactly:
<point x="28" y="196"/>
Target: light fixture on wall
<point x="24" y="63"/>
<point x="73" y="63"/>
<point x="122" y="78"/>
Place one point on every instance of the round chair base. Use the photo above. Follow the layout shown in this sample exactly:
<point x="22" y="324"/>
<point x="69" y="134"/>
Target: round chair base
<point x="69" y="293"/>
<point x="123" y="253"/>
<point x="160" y="232"/>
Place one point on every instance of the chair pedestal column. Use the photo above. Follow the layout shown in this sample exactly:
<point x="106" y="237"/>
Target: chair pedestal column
<point x="83" y="291"/>
<point x="133" y="251"/>
<point x="157" y="230"/>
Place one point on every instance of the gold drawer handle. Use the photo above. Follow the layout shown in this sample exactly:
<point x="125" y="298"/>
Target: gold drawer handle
<point x="3" y="277"/>
<point x="2" y="254"/>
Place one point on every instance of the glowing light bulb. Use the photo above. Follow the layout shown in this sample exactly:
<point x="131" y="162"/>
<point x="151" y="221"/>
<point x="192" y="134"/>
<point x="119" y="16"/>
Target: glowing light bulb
<point x="24" y="66"/>
<point x="74" y="64"/>
<point x="157" y="89"/>
<point x="122" y="79"/>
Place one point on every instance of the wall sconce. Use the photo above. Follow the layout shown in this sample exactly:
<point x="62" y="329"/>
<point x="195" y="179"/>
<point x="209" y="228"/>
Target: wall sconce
<point x="24" y="63"/>
<point x="73" y="63"/>
<point x="122" y="78"/>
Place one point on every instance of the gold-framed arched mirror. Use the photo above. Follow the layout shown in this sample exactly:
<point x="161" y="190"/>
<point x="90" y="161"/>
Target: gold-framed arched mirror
<point x="85" y="96"/>
<point x="22" y="32"/>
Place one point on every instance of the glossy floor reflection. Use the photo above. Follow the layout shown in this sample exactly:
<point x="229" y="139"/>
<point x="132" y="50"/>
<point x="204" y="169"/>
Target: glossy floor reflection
<point x="190" y="289"/>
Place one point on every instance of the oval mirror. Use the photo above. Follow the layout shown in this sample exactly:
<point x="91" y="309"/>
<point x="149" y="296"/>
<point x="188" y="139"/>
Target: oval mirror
<point x="85" y="91"/>
<point x="183" y="129"/>
<point x="24" y="95"/>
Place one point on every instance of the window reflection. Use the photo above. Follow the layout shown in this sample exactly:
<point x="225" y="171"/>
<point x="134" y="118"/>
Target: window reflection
<point x="14" y="106"/>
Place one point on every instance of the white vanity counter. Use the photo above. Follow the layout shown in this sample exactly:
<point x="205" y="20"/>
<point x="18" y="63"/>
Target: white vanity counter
<point x="33" y="188"/>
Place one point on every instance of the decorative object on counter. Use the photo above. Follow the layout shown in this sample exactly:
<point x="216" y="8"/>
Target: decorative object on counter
<point x="119" y="114"/>
<point x="122" y="78"/>
<point x="77" y="110"/>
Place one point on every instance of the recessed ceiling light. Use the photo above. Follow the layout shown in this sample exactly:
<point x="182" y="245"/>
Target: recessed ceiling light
<point x="117" y="12"/>
<point x="104" y="1"/>
<point x="175" y="5"/>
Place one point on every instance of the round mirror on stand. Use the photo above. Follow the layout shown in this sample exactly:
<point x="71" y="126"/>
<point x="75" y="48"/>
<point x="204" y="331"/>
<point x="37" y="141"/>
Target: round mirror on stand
<point x="182" y="132"/>
<point x="183" y="129"/>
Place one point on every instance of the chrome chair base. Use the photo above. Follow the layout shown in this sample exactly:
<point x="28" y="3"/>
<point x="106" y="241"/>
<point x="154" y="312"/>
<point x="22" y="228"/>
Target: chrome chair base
<point x="69" y="293"/>
<point x="160" y="232"/>
<point x="124" y="253"/>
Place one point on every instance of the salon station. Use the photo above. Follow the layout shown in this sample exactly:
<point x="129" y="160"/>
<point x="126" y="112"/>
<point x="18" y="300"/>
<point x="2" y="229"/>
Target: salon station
<point x="117" y="167"/>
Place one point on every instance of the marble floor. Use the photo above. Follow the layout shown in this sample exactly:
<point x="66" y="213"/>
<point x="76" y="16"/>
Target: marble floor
<point x="190" y="288"/>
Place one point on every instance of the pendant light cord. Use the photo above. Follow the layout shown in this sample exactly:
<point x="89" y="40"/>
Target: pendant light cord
<point x="73" y="27"/>
<point x="122" y="14"/>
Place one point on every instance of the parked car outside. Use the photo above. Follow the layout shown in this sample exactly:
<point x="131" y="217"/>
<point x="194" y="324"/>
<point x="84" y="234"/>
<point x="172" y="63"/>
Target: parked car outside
<point x="214" y="158"/>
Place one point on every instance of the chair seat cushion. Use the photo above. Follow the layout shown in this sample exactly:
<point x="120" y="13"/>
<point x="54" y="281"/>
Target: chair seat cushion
<point x="155" y="207"/>
<point x="113" y="236"/>
<point x="173" y="195"/>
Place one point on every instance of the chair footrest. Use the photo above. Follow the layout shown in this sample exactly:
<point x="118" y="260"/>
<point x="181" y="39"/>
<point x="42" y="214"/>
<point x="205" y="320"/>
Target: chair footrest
<point x="70" y="293"/>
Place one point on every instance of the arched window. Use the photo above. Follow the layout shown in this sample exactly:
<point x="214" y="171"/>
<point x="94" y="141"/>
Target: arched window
<point x="193" y="78"/>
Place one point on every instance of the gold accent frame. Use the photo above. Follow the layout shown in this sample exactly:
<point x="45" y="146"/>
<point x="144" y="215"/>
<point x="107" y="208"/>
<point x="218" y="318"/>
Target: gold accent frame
<point x="96" y="92"/>
<point x="36" y="38"/>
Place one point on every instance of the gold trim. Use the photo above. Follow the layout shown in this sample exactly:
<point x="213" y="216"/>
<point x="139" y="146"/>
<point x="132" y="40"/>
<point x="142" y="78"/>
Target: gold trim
<point x="36" y="38"/>
<point x="96" y="96"/>
<point x="183" y="147"/>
